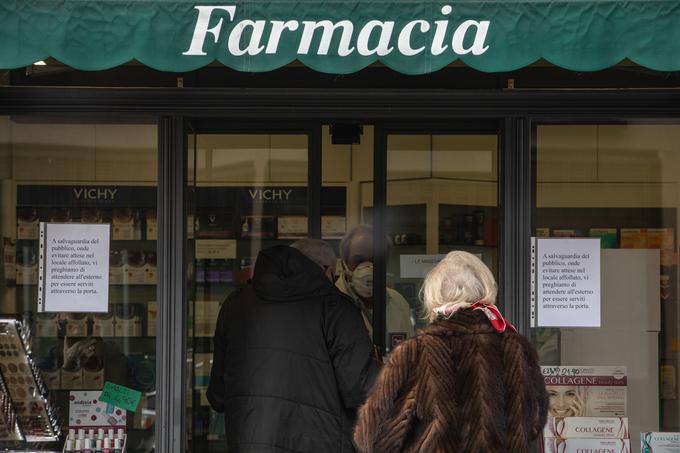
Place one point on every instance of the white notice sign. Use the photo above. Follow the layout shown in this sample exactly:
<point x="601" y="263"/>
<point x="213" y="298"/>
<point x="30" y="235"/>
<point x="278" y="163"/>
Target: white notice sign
<point x="567" y="280"/>
<point x="74" y="267"/>
<point x="417" y="266"/>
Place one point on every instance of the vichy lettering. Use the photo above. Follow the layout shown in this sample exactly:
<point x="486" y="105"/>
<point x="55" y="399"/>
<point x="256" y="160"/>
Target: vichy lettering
<point x="99" y="193"/>
<point x="269" y="194"/>
<point x="375" y="37"/>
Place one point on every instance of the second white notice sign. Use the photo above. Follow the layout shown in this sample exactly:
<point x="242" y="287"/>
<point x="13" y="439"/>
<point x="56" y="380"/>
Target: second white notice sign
<point x="567" y="283"/>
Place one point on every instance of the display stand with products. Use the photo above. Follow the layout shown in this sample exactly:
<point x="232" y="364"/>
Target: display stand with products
<point x="27" y="410"/>
<point x="99" y="440"/>
<point x="10" y="431"/>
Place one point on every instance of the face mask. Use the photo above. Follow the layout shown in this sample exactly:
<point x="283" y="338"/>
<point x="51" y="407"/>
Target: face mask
<point x="361" y="280"/>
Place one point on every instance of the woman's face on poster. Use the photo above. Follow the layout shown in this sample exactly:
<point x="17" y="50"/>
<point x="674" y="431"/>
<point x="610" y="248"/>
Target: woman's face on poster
<point x="565" y="401"/>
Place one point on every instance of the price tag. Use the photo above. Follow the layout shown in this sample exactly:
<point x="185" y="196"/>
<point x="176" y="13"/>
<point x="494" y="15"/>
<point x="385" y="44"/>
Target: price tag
<point x="120" y="396"/>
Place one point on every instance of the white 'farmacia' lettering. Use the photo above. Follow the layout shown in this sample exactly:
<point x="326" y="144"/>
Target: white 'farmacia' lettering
<point x="375" y="37"/>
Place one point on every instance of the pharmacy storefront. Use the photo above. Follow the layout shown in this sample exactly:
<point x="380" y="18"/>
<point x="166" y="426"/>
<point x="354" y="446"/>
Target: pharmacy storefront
<point x="150" y="148"/>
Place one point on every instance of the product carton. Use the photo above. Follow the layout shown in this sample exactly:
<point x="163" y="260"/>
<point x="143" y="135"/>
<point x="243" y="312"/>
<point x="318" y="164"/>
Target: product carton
<point x="26" y="274"/>
<point x="333" y="227"/>
<point x="587" y="445"/>
<point x="103" y="325"/>
<point x="128" y="320"/>
<point x="261" y="227"/>
<point x="292" y="227"/>
<point x="587" y="428"/>
<point x="76" y="325"/>
<point x="28" y="223"/>
<point x="72" y="379"/>
<point x="126" y="225"/>
<point x="659" y="442"/>
<point x="596" y="391"/>
<point x="47" y="325"/>
<point x="609" y="238"/>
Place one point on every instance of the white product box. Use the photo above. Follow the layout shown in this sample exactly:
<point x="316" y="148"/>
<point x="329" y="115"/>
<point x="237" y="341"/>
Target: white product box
<point x="26" y="275"/>
<point x="72" y="379"/>
<point x="586" y="391"/>
<point x="660" y="442"/>
<point x="587" y="428"/>
<point x="28" y="229"/>
<point x="135" y="275"/>
<point x="47" y="325"/>
<point x="292" y="227"/>
<point x="587" y="445"/>
<point x="93" y="379"/>
<point x="76" y="325"/>
<point x="333" y="227"/>
<point x="103" y="325"/>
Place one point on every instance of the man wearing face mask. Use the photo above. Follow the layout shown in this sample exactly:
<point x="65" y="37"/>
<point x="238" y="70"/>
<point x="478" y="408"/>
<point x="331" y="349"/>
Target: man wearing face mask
<point x="356" y="280"/>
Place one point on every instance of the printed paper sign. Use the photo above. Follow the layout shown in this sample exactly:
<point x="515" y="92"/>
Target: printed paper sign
<point x="417" y="266"/>
<point x="567" y="282"/>
<point x="598" y="391"/>
<point x="660" y="442"/>
<point x="74" y="267"/>
<point x="120" y="396"/>
<point x="86" y="409"/>
<point x="223" y="249"/>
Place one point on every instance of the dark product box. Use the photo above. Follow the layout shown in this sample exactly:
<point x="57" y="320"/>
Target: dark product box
<point x="214" y="224"/>
<point x="260" y="227"/>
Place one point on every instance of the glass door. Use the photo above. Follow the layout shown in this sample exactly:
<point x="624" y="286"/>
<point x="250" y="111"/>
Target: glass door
<point x="441" y="196"/>
<point x="249" y="192"/>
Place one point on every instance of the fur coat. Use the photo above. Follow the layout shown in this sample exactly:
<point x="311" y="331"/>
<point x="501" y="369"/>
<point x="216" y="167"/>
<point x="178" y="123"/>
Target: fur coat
<point x="458" y="386"/>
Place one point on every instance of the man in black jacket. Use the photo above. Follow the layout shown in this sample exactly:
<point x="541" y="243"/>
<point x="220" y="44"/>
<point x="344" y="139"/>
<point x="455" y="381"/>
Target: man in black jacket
<point x="292" y="358"/>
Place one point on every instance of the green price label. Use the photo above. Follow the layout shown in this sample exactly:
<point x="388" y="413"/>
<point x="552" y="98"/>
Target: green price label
<point x="120" y="396"/>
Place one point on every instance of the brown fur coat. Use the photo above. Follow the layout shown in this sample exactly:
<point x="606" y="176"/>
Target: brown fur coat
<point x="458" y="386"/>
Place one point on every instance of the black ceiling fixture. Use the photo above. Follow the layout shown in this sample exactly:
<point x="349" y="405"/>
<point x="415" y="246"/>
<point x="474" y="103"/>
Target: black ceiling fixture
<point x="346" y="133"/>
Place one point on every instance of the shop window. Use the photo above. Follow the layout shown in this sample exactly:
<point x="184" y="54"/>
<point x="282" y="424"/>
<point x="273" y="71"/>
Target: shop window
<point x="442" y="195"/>
<point x="618" y="183"/>
<point x="71" y="175"/>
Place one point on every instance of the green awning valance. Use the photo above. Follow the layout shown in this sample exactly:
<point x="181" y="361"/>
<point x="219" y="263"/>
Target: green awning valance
<point x="411" y="37"/>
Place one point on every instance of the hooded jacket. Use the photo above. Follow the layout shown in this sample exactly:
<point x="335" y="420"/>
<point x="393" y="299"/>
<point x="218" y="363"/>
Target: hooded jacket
<point x="292" y="360"/>
<point x="458" y="386"/>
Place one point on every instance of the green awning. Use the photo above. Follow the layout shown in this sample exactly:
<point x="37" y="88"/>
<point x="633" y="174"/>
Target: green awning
<point x="333" y="36"/>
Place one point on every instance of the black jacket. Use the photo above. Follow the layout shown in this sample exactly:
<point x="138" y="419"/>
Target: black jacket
<point x="292" y="360"/>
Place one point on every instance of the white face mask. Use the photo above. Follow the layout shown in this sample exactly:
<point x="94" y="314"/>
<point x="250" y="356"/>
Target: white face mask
<point x="361" y="280"/>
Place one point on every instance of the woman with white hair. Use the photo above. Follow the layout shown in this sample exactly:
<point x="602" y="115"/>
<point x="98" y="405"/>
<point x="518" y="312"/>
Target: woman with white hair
<point x="467" y="383"/>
